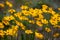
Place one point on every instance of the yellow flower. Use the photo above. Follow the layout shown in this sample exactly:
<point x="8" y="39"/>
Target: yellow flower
<point x="44" y="6"/>
<point x="56" y="35"/>
<point x="15" y="28"/>
<point x="57" y="26"/>
<point x="58" y="8"/>
<point x="44" y="21"/>
<point x="44" y="10"/>
<point x="9" y="32"/>
<point x="39" y="35"/>
<point x="1" y="25"/>
<point x="2" y="33"/>
<point x="1" y="5"/>
<point x="11" y="17"/>
<point x="8" y="18"/>
<point x="47" y="29"/>
<point x="39" y="23"/>
<point x="24" y="7"/>
<point x="17" y="14"/>
<point x="9" y="4"/>
<point x="5" y="22"/>
<point x="40" y="17"/>
<point x="40" y="11"/>
<point x="25" y="12"/>
<point x="11" y="11"/>
<point x="51" y="11"/>
<point x="20" y="24"/>
<point x="12" y="31"/>
<point x="31" y="21"/>
<point x="54" y="19"/>
<point x="31" y="10"/>
<point x="28" y="32"/>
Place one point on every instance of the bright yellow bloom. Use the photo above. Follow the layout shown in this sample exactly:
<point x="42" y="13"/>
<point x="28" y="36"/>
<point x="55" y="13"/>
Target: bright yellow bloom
<point x="44" y="6"/>
<point x="51" y="11"/>
<point x="25" y="12"/>
<point x="39" y="35"/>
<point x="17" y="14"/>
<point x="40" y="11"/>
<point x="58" y="8"/>
<point x="9" y="4"/>
<point x="54" y="19"/>
<point x="15" y="28"/>
<point x="31" y="21"/>
<point x="28" y="31"/>
<point x="47" y="29"/>
<point x="24" y="7"/>
<point x="11" y="11"/>
<point x="57" y="26"/>
<point x="5" y="22"/>
<point x="31" y="10"/>
<point x="20" y="24"/>
<point x="8" y="18"/>
<point x="53" y="22"/>
<point x="39" y="23"/>
<point x="9" y="32"/>
<point x="12" y="31"/>
<point x="1" y="25"/>
<point x="44" y="21"/>
<point x="1" y="5"/>
<point x="40" y="17"/>
<point x="11" y="17"/>
<point x="56" y="35"/>
<point x="44" y="10"/>
<point x="2" y="33"/>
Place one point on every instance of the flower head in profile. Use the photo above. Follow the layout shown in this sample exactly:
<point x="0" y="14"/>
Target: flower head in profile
<point x="28" y="31"/>
<point x="39" y="35"/>
<point x="24" y="7"/>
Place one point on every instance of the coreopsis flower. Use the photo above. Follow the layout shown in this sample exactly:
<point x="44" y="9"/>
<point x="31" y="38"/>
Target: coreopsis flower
<point x="11" y="17"/>
<point x="44" y="10"/>
<point x="39" y="35"/>
<point x="58" y="8"/>
<point x="47" y="29"/>
<point x="11" y="11"/>
<point x="24" y="7"/>
<point x="20" y="24"/>
<point x="9" y="32"/>
<point x="56" y="34"/>
<point x="5" y="22"/>
<point x="1" y="25"/>
<point x="31" y="21"/>
<point x="17" y="14"/>
<point x="28" y="31"/>
<point x="25" y="12"/>
<point x="8" y="18"/>
<point x="39" y="23"/>
<point x="44" y="6"/>
<point x="54" y="19"/>
<point x="44" y="21"/>
<point x="53" y="22"/>
<point x="51" y="11"/>
<point x="1" y="5"/>
<point x="57" y="26"/>
<point x="15" y="29"/>
<point x="2" y="33"/>
<point x="9" y="4"/>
